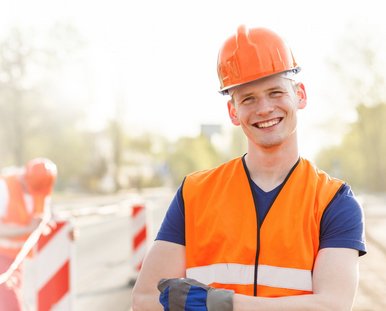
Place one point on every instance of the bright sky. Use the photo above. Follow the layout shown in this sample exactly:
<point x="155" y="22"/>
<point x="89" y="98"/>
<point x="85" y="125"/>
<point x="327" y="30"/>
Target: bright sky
<point x="159" y="57"/>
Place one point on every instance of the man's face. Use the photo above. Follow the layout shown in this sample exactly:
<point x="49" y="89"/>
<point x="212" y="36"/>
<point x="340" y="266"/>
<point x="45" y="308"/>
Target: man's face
<point x="266" y="109"/>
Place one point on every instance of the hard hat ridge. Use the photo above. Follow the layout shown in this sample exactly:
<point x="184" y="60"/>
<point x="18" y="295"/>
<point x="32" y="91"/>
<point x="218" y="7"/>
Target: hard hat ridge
<point x="252" y="54"/>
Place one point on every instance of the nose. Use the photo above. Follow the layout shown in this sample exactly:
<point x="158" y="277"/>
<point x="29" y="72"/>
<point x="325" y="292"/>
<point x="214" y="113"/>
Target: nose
<point x="264" y="107"/>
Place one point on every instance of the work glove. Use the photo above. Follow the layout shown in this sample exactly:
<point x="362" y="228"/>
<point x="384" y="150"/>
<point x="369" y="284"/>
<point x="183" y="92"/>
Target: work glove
<point x="184" y="294"/>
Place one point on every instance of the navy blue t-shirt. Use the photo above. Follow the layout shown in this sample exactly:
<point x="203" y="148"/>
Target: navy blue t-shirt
<point x="342" y="223"/>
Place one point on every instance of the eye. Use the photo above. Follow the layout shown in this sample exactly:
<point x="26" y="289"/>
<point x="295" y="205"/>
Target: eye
<point x="248" y="100"/>
<point x="276" y="94"/>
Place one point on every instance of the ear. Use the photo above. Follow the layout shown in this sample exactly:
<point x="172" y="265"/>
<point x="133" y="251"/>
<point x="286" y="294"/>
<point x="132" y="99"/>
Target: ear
<point x="302" y="95"/>
<point x="233" y="113"/>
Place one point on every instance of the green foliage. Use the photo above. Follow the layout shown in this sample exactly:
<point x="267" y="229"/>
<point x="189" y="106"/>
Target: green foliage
<point x="238" y="143"/>
<point x="32" y="121"/>
<point x="191" y="154"/>
<point x="360" y="71"/>
<point x="360" y="159"/>
<point x="39" y="118"/>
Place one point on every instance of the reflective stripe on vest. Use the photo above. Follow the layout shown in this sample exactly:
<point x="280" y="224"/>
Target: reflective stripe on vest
<point x="227" y="247"/>
<point x="11" y="244"/>
<point x="290" y="278"/>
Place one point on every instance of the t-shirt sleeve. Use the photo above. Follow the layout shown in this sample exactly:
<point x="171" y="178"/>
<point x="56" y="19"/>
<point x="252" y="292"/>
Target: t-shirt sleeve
<point x="173" y="226"/>
<point x="343" y="223"/>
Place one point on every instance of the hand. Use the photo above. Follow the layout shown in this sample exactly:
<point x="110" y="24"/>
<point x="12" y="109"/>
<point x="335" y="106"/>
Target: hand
<point x="184" y="294"/>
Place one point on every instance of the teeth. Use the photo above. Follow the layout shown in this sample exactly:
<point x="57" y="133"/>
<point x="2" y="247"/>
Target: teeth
<point x="268" y="123"/>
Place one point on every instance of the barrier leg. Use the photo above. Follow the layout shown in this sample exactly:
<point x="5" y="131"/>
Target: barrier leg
<point x="138" y="239"/>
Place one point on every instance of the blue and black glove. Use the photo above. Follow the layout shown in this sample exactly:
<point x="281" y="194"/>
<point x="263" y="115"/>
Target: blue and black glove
<point x="185" y="294"/>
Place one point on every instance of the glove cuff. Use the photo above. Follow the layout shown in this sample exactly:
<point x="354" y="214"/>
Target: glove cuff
<point x="220" y="300"/>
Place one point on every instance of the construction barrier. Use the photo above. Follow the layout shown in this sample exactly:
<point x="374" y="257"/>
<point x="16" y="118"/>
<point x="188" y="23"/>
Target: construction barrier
<point x="138" y="238"/>
<point x="49" y="273"/>
<point x="53" y="261"/>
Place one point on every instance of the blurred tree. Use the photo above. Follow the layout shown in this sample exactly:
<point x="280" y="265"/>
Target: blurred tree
<point x="144" y="143"/>
<point x="360" y="158"/>
<point x="191" y="154"/>
<point x="35" y="119"/>
<point x="238" y="143"/>
<point x="14" y="93"/>
<point x="361" y="67"/>
<point x="144" y="157"/>
<point x="115" y="131"/>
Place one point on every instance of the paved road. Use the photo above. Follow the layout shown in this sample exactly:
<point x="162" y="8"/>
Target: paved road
<point x="372" y="287"/>
<point x="103" y="266"/>
<point x="103" y="255"/>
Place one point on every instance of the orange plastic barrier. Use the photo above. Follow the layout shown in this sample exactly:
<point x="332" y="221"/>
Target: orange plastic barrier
<point x="139" y="236"/>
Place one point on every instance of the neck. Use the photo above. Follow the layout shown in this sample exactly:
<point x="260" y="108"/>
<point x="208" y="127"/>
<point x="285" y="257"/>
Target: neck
<point x="268" y="167"/>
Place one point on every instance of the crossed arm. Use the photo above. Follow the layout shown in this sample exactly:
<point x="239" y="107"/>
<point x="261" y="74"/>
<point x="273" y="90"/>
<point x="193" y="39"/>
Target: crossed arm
<point x="335" y="280"/>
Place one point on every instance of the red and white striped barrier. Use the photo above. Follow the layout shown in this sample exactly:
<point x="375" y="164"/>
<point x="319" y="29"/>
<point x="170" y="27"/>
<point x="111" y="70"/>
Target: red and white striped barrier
<point x="52" y="264"/>
<point x="138" y="236"/>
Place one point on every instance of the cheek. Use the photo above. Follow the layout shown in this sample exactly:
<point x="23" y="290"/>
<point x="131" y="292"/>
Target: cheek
<point x="242" y="116"/>
<point x="290" y="106"/>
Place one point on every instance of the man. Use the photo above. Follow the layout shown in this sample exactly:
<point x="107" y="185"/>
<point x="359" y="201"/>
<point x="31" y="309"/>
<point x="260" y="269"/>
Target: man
<point x="24" y="198"/>
<point x="268" y="230"/>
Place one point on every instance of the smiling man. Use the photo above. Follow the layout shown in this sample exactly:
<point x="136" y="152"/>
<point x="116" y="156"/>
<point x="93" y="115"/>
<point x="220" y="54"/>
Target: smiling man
<point x="267" y="230"/>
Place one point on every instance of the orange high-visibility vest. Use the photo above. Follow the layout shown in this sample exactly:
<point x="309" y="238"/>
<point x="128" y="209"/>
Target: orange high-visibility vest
<point x="18" y="214"/>
<point x="227" y="247"/>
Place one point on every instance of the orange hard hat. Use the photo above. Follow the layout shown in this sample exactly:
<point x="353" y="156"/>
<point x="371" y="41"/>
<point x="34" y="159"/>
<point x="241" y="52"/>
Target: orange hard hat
<point x="252" y="54"/>
<point x="40" y="176"/>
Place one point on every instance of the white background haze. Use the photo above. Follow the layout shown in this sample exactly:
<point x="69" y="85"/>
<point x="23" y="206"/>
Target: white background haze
<point x="158" y="58"/>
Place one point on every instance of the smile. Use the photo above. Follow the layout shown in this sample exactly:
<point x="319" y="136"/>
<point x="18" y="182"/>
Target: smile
<point x="266" y="124"/>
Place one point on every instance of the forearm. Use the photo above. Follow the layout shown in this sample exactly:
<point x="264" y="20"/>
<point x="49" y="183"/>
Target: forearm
<point x="146" y="301"/>
<point x="164" y="260"/>
<point x="335" y="281"/>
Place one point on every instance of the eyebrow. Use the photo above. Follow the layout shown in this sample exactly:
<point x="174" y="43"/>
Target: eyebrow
<point x="278" y="87"/>
<point x="273" y="88"/>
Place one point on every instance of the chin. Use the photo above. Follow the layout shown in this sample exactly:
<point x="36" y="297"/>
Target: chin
<point x="267" y="145"/>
